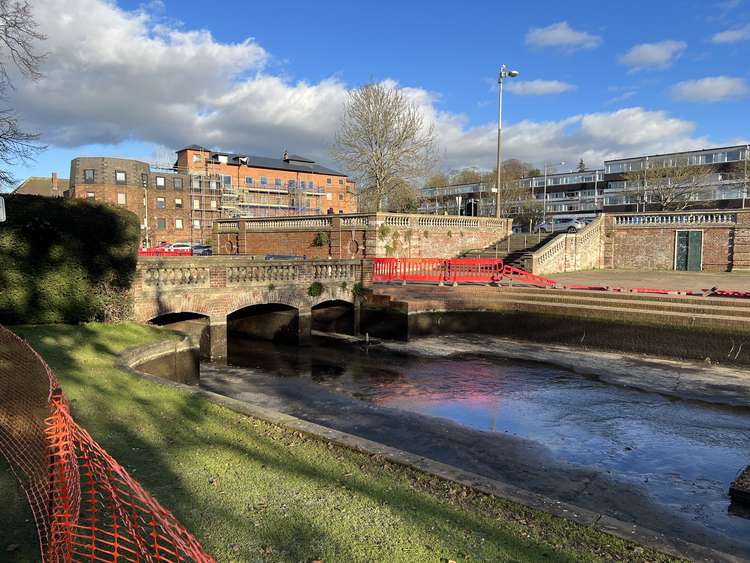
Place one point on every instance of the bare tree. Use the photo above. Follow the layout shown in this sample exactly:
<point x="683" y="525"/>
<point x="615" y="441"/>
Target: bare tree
<point x="466" y="176"/>
<point x="515" y="199"/>
<point x="669" y="185"/>
<point x="18" y="39"/>
<point x="384" y="143"/>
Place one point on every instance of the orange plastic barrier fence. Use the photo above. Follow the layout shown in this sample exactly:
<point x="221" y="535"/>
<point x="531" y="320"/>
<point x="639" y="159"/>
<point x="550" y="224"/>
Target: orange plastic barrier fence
<point x="85" y="505"/>
<point x="165" y="252"/>
<point x="452" y="270"/>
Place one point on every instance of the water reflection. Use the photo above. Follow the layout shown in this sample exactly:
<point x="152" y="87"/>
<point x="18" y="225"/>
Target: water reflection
<point x="684" y="454"/>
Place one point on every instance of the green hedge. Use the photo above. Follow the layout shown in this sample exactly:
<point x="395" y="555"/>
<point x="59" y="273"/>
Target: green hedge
<point x="65" y="260"/>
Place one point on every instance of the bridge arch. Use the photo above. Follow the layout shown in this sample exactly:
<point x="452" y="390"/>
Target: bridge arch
<point x="333" y="315"/>
<point x="276" y="322"/>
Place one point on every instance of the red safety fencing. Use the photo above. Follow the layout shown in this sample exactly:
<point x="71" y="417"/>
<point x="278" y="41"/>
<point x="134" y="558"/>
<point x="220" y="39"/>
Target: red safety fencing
<point x="451" y="270"/>
<point x="165" y="252"/>
<point x="85" y="505"/>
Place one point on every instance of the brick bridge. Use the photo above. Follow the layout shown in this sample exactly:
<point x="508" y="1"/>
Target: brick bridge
<point x="259" y="298"/>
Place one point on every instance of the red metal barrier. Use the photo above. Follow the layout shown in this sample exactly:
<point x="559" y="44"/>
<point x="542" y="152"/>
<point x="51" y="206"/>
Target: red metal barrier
<point x="165" y="252"/>
<point x="522" y="276"/>
<point x="452" y="270"/>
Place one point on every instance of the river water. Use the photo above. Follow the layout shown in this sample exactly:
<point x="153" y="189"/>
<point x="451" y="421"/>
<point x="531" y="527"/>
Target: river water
<point x="534" y="425"/>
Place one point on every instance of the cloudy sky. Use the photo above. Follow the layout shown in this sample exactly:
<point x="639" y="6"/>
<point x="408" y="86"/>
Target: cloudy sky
<point x="140" y="80"/>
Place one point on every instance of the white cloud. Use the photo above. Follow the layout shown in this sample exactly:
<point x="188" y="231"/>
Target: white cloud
<point x="561" y="35"/>
<point x="114" y="76"/>
<point x="539" y="87"/>
<point x="659" y="55"/>
<point x="732" y="35"/>
<point x="711" y="89"/>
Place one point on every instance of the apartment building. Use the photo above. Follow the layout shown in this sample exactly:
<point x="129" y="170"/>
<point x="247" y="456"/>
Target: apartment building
<point x="180" y="201"/>
<point x="721" y="176"/>
<point x="461" y="199"/>
<point x="260" y="186"/>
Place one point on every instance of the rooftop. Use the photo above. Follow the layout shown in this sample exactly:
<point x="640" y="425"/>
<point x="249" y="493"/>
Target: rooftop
<point x="43" y="185"/>
<point x="289" y="162"/>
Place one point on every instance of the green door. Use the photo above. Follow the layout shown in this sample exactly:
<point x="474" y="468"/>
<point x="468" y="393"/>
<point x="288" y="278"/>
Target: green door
<point x="689" y="251"/>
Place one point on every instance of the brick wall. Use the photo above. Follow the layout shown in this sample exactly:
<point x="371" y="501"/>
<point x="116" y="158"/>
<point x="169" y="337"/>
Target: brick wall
<point x="651" y="246"/>
<point x="360" y="236"/>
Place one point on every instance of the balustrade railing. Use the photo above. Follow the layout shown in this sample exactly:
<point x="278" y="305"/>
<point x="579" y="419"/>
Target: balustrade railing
<point x="680" y="218"/>
<point x="233" y="273"/>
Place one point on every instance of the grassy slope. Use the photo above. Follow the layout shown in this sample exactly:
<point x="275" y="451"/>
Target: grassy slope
<point x="253" y="491"/>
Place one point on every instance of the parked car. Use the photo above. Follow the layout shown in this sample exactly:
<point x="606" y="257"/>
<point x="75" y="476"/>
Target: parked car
<point x="202" y="250"/>
<point x="563" y="224"/>
<point x="180" y="246"/>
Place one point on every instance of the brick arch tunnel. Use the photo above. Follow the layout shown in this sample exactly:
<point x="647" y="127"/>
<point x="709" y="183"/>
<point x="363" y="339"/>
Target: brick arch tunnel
<point x="280" y="323"/>
<point x="196" y="325"/>
<point x="334" y="315"/>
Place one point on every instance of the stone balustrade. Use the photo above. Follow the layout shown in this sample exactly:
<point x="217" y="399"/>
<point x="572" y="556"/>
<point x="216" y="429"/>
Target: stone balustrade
<point x="571" y="251"/>
<point x="183" y="273"/>
<point x="675" y="218"/>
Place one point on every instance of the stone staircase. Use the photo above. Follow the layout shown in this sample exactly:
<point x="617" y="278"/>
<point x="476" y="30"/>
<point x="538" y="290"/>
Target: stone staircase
<point x="668" y="325"/>
<point x="515" y="249"/>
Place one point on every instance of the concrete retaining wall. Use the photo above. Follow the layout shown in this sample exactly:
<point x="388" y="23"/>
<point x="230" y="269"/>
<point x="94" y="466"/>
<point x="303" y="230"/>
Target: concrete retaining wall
<point x="175" y="360"/>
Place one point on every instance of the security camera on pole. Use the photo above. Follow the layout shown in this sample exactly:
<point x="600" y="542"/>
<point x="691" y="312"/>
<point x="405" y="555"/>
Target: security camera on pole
<point x="504" y="73"/>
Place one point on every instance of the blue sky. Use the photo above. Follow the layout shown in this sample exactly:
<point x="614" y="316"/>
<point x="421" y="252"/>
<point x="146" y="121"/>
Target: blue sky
<point x="598" y="80"/>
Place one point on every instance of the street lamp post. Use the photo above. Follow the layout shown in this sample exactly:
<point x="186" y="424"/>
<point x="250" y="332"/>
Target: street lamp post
<point x="504" y="73"/>
<point x="544" y="194"/>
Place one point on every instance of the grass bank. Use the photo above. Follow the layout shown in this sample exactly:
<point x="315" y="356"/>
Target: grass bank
<point x="253" y="491"/>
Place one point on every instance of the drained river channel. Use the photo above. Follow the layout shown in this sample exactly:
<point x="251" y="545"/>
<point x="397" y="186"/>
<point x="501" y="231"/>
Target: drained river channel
<point x="656" y="460"/>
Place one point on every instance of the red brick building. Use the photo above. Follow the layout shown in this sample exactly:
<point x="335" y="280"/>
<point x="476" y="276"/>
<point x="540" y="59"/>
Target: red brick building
<point x="181" y="202"/>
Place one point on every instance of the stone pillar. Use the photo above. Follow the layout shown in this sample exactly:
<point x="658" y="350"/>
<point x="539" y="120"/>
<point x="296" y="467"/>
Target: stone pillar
<point x="218" y="336"/>
<point x="357" y="316"/>
<point x="305" y="327"/>
<point x="741" y="248"/>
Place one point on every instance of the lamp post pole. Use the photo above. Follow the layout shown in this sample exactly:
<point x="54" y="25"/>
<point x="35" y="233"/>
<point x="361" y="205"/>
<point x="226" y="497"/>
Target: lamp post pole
<point x="504" y="73"/>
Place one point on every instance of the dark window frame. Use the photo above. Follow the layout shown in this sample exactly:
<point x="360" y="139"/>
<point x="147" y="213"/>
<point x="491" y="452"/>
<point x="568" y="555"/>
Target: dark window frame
<point x="124" y="177"/>
<point x="86" y="179"/>
<point x="177" y="184"/>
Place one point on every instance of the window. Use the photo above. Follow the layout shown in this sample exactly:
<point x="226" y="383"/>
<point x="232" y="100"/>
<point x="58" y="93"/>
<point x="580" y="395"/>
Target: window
<point x="178" y="184"/>
<point x="328" y="181"/>
<point x="196" y="158"/>
<point x="248" y="180"/>
<point x="731" y="155"/>
<point x="161" y="223"/>
<point x="263" y="181"/>
<point x="196" y="204"/>
<point x="91" y="196"/>
<point x="290" y="183"/>
<point x="277" y="182"/>
<point x="178" y="223"/>
<point x="196" y="223"/>
<point x="161" y="203"/>
<point x="195" y="183"/>
<point x="341" y="197"/>
<point x="88" y="176"/>
<point x="144" y="180"/>
<point x="341" y="182"/>
<point x="226" y="181"/>
<point x="178" y="203"/>
<point x="302" y="184"/>
<point x="120" y="177"/>
<point x="329" y="196"/>
<point x="311" y="184"/>
<point x="213" y="204"/>
<point x="122" y="198"/>
<point x="161" y="182"/>
<point x="213" y="185"/>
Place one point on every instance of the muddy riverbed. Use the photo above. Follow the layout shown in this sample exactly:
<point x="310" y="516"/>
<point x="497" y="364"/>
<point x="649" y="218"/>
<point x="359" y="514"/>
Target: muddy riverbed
<point x="649" y="458"/>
